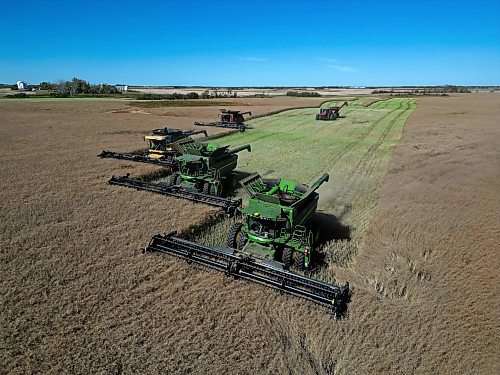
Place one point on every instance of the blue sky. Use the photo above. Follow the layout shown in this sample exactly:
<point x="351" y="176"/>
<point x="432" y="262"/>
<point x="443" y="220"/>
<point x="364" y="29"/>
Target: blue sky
<point x="252" y="43"/>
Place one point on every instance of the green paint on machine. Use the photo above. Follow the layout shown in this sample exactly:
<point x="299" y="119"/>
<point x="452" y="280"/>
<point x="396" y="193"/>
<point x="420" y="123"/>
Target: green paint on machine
<point x="205" y="167"/>
<point x="276" y="221"/>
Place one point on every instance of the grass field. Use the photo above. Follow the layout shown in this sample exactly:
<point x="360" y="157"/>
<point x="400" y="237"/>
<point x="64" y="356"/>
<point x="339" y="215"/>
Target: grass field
<point x="355" y="150"/>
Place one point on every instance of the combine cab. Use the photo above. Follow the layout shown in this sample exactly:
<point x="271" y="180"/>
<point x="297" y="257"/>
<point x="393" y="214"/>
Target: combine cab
<point x="330" y="113"/>
<point x="161" y="147"/>
<point x="228" y="119"/>
<point x="276" y="221"/>
<point x="206" y="167"/>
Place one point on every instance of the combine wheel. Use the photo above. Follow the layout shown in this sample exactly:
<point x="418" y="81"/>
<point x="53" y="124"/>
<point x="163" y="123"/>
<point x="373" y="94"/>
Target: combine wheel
<point x="242" y="241"/>
<point x="317" y="117"/>
<point x="206" y="188"/>
<point x="234" y="234"/>
<point x="216" y="189"/>
<point x="299" y="260"/>
<point x="174" y="179"/>
<point x="287" y="257"/>
<point x="231" y="181"/>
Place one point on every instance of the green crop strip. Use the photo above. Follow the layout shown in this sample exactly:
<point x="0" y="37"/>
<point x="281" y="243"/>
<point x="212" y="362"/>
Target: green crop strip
<point x="354" y="149"/>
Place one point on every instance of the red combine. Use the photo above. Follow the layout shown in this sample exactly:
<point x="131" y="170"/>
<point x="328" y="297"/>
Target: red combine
<point x="330" y="113"/>
<point x="228" y="119"/>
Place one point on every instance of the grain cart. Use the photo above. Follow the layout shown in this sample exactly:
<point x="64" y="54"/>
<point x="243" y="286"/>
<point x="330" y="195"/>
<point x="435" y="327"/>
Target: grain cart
<point x="160" y="143"/>
<point x="276" y="221"/>
<point x="206" y="167"/>
<point x="228" y="119"/>
<point x="330" y="113"/>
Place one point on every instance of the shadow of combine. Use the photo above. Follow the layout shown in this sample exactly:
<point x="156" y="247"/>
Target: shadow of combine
<point x="329" y="228"/>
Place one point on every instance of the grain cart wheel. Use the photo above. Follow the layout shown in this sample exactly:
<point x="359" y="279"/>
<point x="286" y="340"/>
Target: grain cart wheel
<point x="206" y="188"/>
<point x="174" y="179"/>
<point x="242" y="241"/>
<point x="287" y="257"/>
<point x="234" y="234"/>
<point x="299" y="260"/>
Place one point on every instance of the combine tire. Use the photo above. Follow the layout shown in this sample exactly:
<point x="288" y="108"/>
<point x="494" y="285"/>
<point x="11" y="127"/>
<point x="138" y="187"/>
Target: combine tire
<point x="317" y="117"/>
<point x="174" y="179"/>
<point x="234" y="235"/>
<point x="299" y="260"/>
<point x="216" y="189"/>
<point x="242" y="241"/>
<point x="286" y="258"/>
<point x="206" y="188"/>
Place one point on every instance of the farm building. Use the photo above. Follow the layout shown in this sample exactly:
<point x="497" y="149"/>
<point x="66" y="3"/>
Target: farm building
<point x="22" y="86"/>
<point x="121" y="88"/>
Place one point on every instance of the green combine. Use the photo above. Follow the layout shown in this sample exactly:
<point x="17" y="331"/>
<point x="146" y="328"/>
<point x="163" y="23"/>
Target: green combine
<point x="206" y="167"/>
<point x="276" y="221"/>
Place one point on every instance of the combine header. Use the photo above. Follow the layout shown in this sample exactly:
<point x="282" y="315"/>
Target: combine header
<point x="330" y="113"/>
<point x="228" y="119"/>
<point x="240" y="265"/>
<point x="161" y="147"/>
<point x="227" y="204"/>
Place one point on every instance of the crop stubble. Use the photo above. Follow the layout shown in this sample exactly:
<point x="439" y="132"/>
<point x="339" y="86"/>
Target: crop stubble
<point x="77" y="295"/>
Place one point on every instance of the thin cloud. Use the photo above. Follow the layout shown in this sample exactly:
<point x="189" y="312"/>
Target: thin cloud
<point x="325" y="59"/>
<point x="252" y="59"/>
<point x="342" y="68"/>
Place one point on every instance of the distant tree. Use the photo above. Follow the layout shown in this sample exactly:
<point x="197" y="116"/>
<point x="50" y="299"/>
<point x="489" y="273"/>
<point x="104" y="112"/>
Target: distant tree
<point x="47" y="86"/>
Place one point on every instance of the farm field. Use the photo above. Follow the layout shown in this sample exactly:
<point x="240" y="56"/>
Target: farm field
<point x="354" y="150"/>
<point x="420" y="201"/>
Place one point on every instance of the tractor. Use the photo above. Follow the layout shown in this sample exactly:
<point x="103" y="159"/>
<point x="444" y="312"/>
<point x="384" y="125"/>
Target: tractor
<point x="205" y="167"/>
<point x="329" y="113"/>
<point x="276" y="223"/>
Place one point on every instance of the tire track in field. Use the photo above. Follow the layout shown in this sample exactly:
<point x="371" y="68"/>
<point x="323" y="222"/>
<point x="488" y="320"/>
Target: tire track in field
<point x="339" y="155"/>
<point x="364" y="169"/>
<point x="369" y="156"/>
